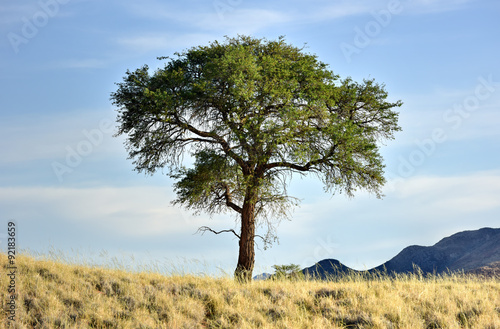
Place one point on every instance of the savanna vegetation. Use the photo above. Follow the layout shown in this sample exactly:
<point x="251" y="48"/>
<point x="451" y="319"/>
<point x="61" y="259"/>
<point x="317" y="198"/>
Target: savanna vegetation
<point x="53" y="294"/>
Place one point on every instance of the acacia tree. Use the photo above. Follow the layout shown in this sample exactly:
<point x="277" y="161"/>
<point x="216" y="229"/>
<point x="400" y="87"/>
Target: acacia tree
<point x="252" y="112"/>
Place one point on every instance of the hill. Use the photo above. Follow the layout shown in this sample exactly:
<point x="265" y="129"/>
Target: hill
<point x="328" y="268"/>
<point x="469" y="251"/>
<point x="491" y="270"/>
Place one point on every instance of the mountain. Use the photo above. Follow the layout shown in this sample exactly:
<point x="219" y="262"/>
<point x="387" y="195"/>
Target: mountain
<point x="262" y="276"/>
<point x="327" y="268"/>
<point x="465" y="251"/>
<point x="470" y="251"/>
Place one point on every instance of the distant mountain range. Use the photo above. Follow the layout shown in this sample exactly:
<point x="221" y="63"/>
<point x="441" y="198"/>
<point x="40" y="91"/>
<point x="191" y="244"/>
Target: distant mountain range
<point x="470" y="251"/>
<point x="263" y="276"/>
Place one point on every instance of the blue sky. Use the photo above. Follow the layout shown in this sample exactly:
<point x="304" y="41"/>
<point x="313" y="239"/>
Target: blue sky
<point x="68" y="184"/>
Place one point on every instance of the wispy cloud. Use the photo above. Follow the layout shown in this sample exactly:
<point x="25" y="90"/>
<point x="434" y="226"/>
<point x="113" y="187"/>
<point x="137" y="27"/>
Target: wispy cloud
<point x="346" y="8"/>
<point x="130" y="212"/>
<point x="85" y="63"/>
<point x="239" y="17"/>
<point x="166" y="42"/>
<point x="340" y="9"/>
<point x="48" y="136"/>
<point x="210" y="25"/>
<point x="460" y="113"/>
<point x="434" y="6"/>
<point x="245" y="18"/>
<point x="447" y="197"/>
<point x="12" y="13"/>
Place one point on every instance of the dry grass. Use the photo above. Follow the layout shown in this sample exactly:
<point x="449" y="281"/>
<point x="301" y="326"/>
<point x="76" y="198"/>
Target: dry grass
<point x="57" y="295"/>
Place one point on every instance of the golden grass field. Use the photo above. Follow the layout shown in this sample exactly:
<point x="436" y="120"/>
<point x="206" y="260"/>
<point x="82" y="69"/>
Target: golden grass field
<point x="53" y="294"/>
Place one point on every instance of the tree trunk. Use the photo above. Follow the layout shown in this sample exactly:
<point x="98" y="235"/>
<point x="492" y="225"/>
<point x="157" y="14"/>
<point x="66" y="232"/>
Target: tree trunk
<point x="246" y="258"/>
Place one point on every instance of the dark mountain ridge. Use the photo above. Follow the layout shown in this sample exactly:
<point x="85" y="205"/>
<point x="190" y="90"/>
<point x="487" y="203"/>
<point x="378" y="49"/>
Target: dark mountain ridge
<point x="327" y="268"/>
<point x="467" y="251"/>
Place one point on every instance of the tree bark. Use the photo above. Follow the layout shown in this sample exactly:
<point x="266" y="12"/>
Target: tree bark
<point x="246" y="258"/>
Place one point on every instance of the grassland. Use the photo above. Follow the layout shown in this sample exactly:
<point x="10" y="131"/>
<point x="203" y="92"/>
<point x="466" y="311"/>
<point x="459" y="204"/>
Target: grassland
<point x="52" y="294"/>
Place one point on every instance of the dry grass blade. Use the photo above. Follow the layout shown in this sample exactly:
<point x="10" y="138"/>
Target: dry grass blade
<point x="52" y="294"/>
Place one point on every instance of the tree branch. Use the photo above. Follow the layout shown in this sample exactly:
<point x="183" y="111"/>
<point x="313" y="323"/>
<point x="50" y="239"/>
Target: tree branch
<point x="197" y="140"/>
<point x="216" y="139"/>
<point x="285" y="164"/>
<point x="306" y="167"/>
<point x="203" y="229"/>
<point x="229" y="202"/>
<point x="256" y="235"/>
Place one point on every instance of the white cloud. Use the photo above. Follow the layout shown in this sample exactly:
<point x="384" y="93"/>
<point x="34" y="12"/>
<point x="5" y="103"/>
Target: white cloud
<point x="425" y="198"/>
<point x="11" y="13"/>
<point x="458" y="112"/>
<point x="132" y="211"/>
<point x="348" y="8"/>
<point x="433" y="6"/>
<point x="14" y="15"/>
<point x="240" y="18"/>
<point x="136" y="219"/>
<point x="213" y="24"/>
<point x="216" y="17"/>
<point x="244" y="21"/>
<point x="87" y="63"/>
<point x="362" y="232"/>
<point x="163" y="41"/>
<point x="448" y="197"/>
<point x="339" y="9"/>
<point x="49" y="136"/>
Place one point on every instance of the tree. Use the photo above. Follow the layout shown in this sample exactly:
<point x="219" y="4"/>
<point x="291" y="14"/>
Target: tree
<point x="290" y="272"/>
<point x="253" y="112"/>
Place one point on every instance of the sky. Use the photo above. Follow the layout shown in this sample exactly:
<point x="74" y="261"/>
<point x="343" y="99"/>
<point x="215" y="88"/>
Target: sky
<point x="68" y="184"/>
